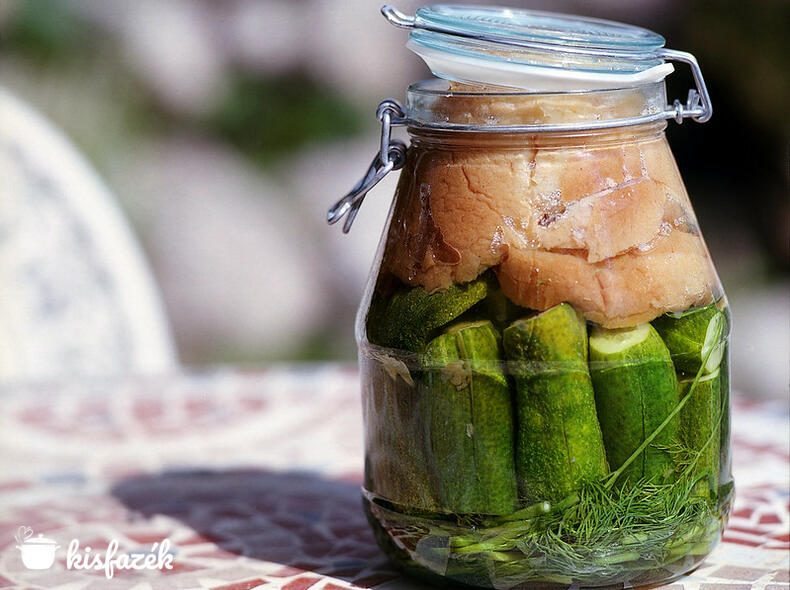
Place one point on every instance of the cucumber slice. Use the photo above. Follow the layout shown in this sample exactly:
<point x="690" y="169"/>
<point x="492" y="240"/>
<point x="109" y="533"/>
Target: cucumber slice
<point x="635" y="390"/>
<point x="410" y="317"/>
<point x="617" y="341"/>
<point x="700" y="421"/>
<point x="558" y="439"/>
<point x="470" y="418"/>
<point x="692" y="336"/>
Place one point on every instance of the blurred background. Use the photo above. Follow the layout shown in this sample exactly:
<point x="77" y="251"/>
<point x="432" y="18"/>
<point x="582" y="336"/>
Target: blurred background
<point x="224" y="130"/>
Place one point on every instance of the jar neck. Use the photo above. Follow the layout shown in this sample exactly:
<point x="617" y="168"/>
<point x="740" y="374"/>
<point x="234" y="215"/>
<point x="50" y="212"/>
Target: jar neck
<point x="439" y="103"/>
<point x="431" y="138"/>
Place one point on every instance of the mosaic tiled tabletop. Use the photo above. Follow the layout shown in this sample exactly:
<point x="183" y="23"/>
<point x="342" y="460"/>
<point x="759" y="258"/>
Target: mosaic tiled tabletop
<point x="253" y="478"/>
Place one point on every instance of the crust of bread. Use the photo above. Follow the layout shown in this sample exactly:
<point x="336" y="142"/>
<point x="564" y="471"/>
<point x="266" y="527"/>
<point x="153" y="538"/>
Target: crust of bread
<point x="608" y="228"/>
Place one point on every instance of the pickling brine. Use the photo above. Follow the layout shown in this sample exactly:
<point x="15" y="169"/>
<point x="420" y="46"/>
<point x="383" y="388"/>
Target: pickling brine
<point x="543" y="342"/>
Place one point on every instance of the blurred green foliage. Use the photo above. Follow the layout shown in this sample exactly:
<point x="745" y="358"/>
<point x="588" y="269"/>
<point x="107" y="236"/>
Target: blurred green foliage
<point x="45" y="30"/>
<point x="268" y="117"/>
<point x="264" y="116"/>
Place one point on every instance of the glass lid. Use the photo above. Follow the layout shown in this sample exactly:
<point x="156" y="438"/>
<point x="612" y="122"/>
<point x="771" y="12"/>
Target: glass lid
<point x="545" y="27"/>
<point x="532" y="50"/>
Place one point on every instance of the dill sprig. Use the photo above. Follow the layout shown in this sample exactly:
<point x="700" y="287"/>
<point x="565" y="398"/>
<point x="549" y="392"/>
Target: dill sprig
<point x="598" y="533"/>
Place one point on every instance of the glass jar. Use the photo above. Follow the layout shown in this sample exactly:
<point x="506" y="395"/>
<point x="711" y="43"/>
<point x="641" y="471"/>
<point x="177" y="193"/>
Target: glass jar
<point x="543" y="340"/>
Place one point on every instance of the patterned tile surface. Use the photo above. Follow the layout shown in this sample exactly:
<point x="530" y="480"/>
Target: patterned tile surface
<point x="254" y="480"/>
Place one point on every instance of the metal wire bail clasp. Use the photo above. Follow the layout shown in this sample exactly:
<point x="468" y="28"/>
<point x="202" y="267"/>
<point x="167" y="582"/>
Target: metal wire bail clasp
<point x="391" y="156"/>
<point x="698" y="105"/>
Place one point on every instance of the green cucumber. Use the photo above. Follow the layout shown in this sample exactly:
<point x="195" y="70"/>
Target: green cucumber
<point x="635" y="390"/>
<point x="498" y="308"/>
<point x="470" y="416"/>
<point x="699" y="427"/>
<point x="691" y="335"/>
<point x="409" y="318"/>
<point x="558" y="439"/>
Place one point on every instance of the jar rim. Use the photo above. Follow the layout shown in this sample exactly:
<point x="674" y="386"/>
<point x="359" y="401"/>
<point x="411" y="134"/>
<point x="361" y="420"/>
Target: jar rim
<point x="442" y="87"/>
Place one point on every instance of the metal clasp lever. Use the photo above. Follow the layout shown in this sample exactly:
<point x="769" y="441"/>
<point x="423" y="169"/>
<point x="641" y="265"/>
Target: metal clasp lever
<point x="698" y="105"/>
<point x="391" y="156"/>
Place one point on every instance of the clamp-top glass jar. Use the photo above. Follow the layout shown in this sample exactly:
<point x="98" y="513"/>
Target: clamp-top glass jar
<point x="543" y="340"/>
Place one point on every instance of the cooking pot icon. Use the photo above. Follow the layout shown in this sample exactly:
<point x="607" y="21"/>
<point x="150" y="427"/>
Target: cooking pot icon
<point x="38" y="553"/>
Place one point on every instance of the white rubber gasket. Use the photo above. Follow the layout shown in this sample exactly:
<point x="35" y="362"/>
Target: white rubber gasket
<point x="527" y="77"/>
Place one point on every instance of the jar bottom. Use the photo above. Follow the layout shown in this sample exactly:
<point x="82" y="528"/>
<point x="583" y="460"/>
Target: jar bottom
<point x="430" y="547"/>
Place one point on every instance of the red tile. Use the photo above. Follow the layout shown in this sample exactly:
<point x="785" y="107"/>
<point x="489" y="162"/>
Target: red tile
<point x="146" y="538"/>
<point x="743" y="513"/>
<point x="146" y="410"/>
<point x="42" y="526"/>
<point x="301" y="583"/>
<point x="287" y="571"/>
<point x="770" y="519"/>
<point x="14" y="485"/>
<point x="252" y="404"/>
<point x="96" y="544"/>
<point x="355" y="477"/>
<point x="746" y="542"/>
<point x="747" y="530"/>
<point x="37" y="414"/>
<point x="248" y="585"/>
<point x="198" y="407"/>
